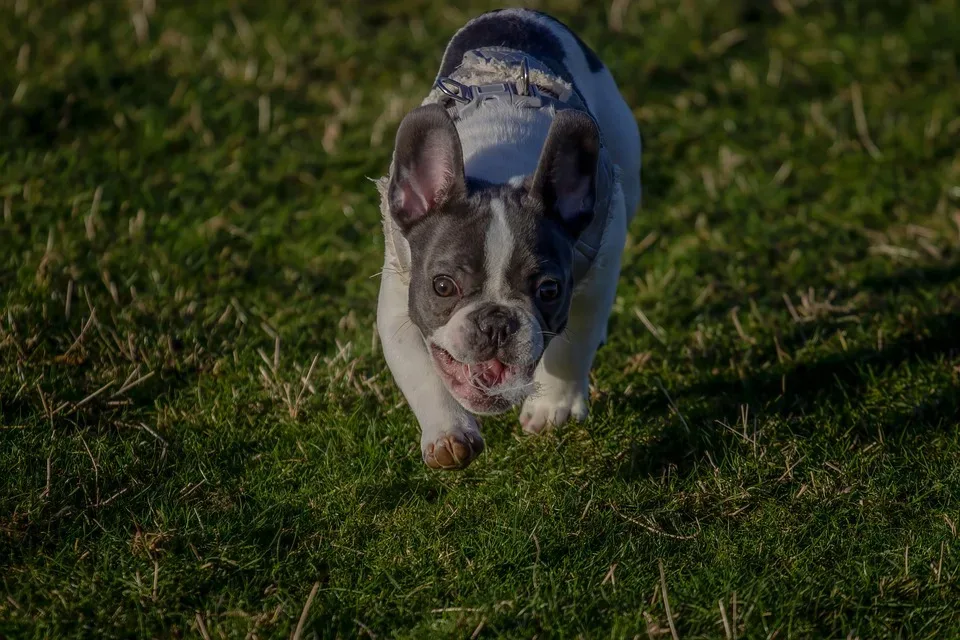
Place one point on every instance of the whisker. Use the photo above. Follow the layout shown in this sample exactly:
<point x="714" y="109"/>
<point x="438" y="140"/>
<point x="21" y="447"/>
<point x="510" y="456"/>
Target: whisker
<point x="563" y="335"/>
<point x="387" y="270"/>
<point x="406" y="323"/>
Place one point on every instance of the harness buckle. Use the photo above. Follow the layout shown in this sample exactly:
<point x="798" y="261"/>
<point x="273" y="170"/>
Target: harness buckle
<point x="458" y="92"/>
<point x="523" y="87"/>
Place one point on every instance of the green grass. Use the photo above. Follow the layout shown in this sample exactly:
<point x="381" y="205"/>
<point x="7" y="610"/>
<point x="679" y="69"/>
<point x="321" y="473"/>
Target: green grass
<point x="784" y="440"/>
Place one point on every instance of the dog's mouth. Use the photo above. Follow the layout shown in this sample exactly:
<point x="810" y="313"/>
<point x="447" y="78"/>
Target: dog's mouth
<point x="487" y="374"/>
<point x="491" y="386"/>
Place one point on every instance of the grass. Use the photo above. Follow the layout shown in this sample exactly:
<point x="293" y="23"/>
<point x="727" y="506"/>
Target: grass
<point x="187" y="225"/>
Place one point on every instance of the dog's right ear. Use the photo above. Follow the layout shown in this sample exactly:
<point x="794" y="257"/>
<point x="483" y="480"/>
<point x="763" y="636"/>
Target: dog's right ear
<point x="427" y="166"/>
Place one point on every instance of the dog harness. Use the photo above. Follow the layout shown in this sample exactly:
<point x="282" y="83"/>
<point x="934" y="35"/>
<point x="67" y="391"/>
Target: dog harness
<point x="538" y="85"/>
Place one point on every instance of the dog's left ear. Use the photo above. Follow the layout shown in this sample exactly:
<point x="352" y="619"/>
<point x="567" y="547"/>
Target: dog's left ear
<point x="566" y="176"/>
<point x="427" y="166"/>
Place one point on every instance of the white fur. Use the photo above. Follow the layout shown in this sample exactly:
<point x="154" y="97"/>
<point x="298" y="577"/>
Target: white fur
<point x="497" y="251"/>
<point x="500" y="143"/>
<point x="451" y="336"/>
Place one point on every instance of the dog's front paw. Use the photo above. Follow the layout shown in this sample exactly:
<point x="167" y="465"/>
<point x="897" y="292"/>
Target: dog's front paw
<point x="553" y="406"/>
<point x="452" y="449"/>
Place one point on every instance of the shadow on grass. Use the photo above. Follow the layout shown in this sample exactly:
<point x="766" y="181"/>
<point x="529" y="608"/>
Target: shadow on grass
<point x="794" y="394"/>
<point x="51" y="117"/>
<point x="914" y="278"/>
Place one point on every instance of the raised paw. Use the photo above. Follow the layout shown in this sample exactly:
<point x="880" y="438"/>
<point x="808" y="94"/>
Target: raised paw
<point x="552" y="409"/>
<point x="453" y="451"/>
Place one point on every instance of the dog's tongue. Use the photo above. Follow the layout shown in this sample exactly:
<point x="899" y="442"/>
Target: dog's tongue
<point x="488" y="373"/>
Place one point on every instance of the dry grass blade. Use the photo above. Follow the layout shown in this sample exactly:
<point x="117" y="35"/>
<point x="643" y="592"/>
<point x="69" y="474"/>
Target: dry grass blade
<point x="673" y="405"/>
<point x="298" y="632"/>
<point x="96" y="469"/>
<point x="156" y="579"/>
<point x="295" y="409"/>
<point x="68" y="304"/>
<point x="861" y="120"/>
<point x="476" y="632"/>
<point x="727" y="40"/>
<point x="666" y="602"/>
<point x="654" y="330"/>
<point x="611" y="576"/>
<point x="736" y="325"/>
<point x="726" y="622"/>
<point x="263" y="120"/>
<point x="130" y="385"/>
<point x="83" y="331"/>
<point x="653" y="529"/>
<point x="616" y="15"/>
<point x="46" y="490"/>
<point x="202" y="626"/>
<point x="93" y="395"/>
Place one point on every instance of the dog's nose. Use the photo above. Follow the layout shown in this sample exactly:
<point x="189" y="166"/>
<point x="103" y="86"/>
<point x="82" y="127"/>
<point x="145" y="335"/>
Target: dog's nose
<point x="497" y="324"/>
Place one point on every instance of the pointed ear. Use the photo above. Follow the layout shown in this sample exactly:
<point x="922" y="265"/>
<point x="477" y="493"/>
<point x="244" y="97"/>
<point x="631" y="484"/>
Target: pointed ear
<point x="566" y="175"/>
<point x="427" y="169"/>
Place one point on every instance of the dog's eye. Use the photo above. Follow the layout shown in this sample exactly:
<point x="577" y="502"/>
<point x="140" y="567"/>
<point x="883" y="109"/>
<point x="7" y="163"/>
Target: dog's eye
<point x="444" y="286"/>
<point x="548" y="291"/>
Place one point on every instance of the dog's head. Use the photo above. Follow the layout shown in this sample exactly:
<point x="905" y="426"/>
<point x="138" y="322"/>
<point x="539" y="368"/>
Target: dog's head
<point x="491" y="264"/>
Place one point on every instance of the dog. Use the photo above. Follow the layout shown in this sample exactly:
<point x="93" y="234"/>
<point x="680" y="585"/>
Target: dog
<point x="505" y="213"/>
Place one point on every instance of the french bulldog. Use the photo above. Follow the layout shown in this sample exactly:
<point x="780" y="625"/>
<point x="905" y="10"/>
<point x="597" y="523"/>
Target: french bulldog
<point x="505" y="213"/>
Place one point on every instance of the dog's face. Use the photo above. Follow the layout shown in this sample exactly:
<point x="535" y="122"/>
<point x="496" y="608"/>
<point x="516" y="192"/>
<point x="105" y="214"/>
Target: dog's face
<point x="491" y="265"/>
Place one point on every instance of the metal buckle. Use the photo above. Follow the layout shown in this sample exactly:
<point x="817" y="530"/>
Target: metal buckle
<point x="522" y="94"/>
<point x="524" y="85"/>
<point x="459" y="92"/>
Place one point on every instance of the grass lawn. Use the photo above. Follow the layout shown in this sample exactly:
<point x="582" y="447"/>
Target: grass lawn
<point x="197" y="428"/>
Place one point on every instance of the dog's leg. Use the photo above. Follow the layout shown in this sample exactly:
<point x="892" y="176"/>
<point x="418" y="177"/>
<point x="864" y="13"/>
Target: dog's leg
<point x="562" y="378"/>
<point x="449" y="435"/>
